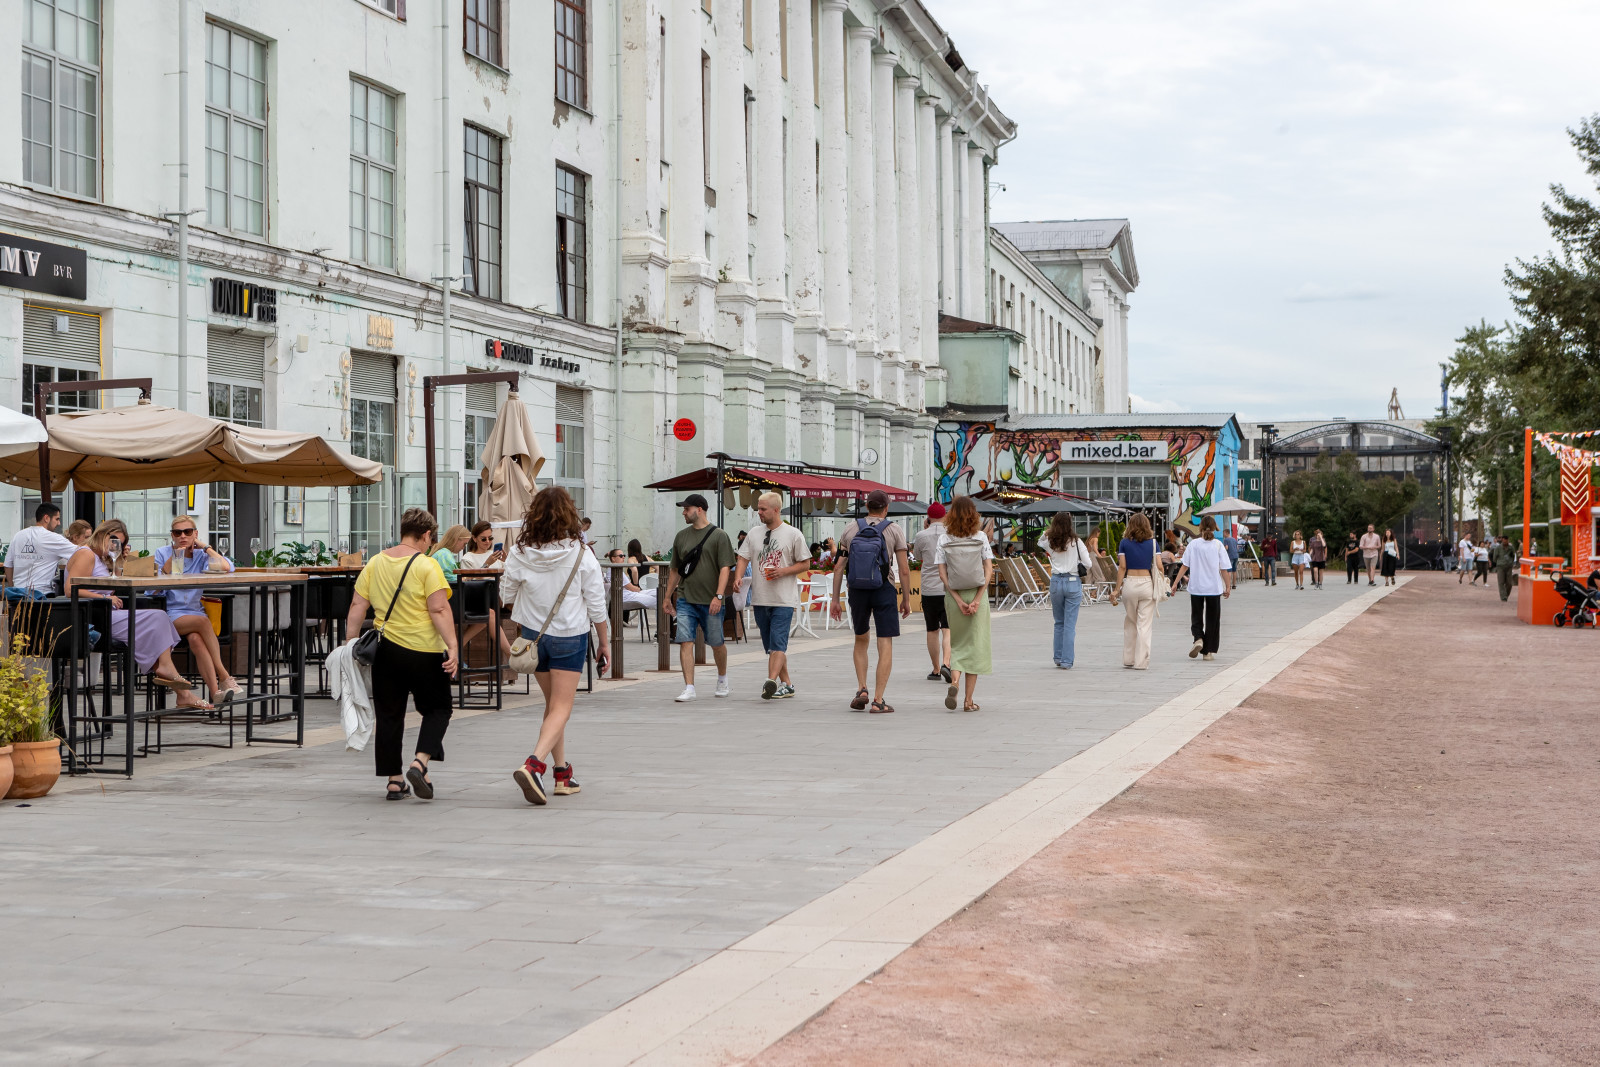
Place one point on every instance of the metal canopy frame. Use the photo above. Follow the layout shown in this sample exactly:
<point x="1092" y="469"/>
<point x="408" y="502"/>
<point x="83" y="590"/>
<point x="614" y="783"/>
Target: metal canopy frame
<point x="44" y="389"/>
<point x="430" y="383"/>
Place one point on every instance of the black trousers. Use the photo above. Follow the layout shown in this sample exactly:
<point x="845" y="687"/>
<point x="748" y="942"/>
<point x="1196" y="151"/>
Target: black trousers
<point x="399" y="674"/>
<point x="1352" y="570"/>
<point x="1205" y="620"/>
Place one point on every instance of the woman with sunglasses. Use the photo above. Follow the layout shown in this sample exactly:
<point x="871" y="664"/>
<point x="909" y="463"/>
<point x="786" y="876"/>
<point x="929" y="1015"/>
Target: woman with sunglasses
<point x="154" y="636"/>
<point x="186" y="609"/>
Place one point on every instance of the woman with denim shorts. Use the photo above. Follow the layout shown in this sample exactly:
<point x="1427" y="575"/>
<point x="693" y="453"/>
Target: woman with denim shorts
<point x="537" y="569"/>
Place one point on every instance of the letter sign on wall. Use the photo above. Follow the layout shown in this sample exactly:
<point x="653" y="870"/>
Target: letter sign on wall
<point x="1114" y="451"/>
<point x="57" y="270"/>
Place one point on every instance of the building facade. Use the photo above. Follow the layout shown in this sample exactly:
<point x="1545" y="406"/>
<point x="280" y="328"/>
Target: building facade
<point x="748" y="214"/>
<point x="1058" y="366"/>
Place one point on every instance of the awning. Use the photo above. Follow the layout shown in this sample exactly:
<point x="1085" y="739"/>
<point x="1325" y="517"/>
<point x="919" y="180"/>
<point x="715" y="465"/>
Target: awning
<point x="794" y="483"/>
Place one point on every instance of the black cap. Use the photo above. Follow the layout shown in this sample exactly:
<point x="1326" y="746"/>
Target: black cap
<point x="694" y="500"/>
<point x="877" y="500"/>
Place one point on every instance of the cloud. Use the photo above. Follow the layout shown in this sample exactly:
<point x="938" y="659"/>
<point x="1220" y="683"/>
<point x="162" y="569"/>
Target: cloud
<point x="1140" y="404"/>
<point x="1310" y="293"/>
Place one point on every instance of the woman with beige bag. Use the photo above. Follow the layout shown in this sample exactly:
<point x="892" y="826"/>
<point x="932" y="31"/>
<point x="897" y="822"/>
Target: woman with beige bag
<point x="557" y="593"/>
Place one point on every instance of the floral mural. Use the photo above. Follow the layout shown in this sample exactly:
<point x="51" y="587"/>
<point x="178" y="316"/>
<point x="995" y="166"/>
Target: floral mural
<point x="972" y="456"/>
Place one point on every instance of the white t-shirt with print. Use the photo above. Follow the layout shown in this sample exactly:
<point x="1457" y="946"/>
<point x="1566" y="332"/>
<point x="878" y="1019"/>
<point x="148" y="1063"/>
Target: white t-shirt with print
<point x="35" y="555"/>
<point x="779" y="548"/>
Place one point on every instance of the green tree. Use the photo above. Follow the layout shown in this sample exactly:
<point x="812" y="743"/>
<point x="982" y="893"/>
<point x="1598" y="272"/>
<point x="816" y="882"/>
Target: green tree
<point x="1537" y="370"/>
<point x="1334" y="497"/>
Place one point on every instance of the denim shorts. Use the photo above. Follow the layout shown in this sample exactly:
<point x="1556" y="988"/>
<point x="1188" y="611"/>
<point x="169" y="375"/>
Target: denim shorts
<point x="691" y="616"/>
<point x="560" y="653"/>
<point x="774" y="624"/>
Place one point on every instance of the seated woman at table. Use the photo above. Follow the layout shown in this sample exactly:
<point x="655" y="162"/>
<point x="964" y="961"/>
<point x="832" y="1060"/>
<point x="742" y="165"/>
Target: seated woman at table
<point x="632" y="595"/>
<point x="155" y="635"/>
<point x="188" y="613"/>
<point x="446" y="552"/>
<point x="482" y="555"/>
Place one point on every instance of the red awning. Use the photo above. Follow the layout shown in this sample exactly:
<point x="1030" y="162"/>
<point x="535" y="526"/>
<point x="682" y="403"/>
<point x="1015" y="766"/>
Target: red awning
<point x="794" y="483"/>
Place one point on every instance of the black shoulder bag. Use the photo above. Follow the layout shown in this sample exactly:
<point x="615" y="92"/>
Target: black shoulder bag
<point x="365" y="649"/>
<point x="685" y="566"/>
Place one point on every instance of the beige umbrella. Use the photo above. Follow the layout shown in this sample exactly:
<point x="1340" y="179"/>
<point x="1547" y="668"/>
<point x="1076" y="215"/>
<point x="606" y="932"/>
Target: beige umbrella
<point x="511" y="461"/>
<point x="154" y="447"/>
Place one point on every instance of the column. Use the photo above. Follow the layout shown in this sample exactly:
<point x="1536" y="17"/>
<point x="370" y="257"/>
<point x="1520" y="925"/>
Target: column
<point x="805" y="265"/>
<point x="692" y="283"/>
<point x="775" y="322"/>
<point x="736" y="296"/>
<point x="911" y="265"/>
<point x="644" y="248"/>
<point x="962" y="214"/>
<point x="977" y="236"/>
<point x="834" y="239"/>
<point x="886" y="214"/>
<point x="930" y="217"/>
<point x="863" y="227"/>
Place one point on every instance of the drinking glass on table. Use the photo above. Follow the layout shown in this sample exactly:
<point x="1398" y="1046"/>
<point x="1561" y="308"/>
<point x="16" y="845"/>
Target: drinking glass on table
<point x="255" y="548"/>
<point x="113" y="551"/>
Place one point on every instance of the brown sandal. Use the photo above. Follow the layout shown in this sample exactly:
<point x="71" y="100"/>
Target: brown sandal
<point x="879" y="707"/>
<point x="859" y="701"/>
<point x="971" y="707"/>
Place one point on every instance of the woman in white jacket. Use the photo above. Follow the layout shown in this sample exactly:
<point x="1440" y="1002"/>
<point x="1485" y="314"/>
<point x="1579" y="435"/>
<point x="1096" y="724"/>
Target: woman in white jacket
<point x="549" y="556"/>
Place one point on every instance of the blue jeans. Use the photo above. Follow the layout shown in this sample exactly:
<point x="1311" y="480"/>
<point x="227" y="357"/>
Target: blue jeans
<point x="774" y="624"/>
<point x="1066" y="596"/>
<point x="692" y="617"/>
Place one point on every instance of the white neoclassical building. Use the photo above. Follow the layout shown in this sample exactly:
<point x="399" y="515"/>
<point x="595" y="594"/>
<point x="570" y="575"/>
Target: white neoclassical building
<point x="746" y="213"/>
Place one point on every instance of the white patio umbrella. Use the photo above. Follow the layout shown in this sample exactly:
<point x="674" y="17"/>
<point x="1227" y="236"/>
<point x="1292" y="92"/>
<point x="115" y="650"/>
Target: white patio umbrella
<point x="1231" y="505"/>
<point x="20" y="433"/>
<point x="511" y="461"/>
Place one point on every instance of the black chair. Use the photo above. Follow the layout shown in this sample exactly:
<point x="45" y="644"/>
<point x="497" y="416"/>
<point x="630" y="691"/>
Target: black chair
<point x="476" y="601"/>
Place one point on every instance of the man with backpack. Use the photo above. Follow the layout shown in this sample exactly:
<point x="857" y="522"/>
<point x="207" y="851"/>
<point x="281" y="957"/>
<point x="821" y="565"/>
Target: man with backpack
<point x="865" y="553"/>
<point x="698" y="590"/>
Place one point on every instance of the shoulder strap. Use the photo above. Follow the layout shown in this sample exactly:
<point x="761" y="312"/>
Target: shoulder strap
<point x="554" y="607"/>
<point x="397" y="586"/>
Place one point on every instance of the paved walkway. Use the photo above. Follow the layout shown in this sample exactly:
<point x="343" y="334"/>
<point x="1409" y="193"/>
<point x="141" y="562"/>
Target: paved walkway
<point x="275" y="909"/>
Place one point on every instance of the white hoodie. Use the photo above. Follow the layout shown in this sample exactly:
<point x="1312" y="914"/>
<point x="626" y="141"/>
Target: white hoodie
<point x="533" y="577"/>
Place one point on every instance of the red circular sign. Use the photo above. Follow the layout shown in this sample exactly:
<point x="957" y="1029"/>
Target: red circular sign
<point x="683" y="429"/>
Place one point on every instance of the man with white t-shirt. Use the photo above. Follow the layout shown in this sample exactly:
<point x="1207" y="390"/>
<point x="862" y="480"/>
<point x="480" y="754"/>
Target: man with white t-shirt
<point x="777" y="555"/>
<point x="1465" y="553"/>
<point x="36" y="554"/>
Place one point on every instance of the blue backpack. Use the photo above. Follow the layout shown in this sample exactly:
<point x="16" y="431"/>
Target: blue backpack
<point x="868" y="558"/>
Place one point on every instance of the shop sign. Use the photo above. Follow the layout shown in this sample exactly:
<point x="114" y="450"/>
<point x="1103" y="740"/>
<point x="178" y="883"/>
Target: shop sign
<point x="684" y="429"/>
<point x="58" y="270"/>
<point x="1114" y="451"/>
<point x="523" y="354"/>
<point x="244" y="299"/>
<point x="380" y="332"/>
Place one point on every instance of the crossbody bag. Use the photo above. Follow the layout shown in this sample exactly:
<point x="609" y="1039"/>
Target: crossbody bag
<point x="525" y="650"/>
<point x="365" y="650"/>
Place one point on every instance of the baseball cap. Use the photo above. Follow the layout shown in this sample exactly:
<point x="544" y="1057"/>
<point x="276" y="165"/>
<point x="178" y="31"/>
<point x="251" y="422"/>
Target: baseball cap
<point x="694" y="500"/>
<point x="877" y="500"/>
<point x="936" y="511"/>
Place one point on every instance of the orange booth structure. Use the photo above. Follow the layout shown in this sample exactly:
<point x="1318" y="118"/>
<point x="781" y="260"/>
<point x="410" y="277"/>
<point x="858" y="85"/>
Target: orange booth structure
<point x="1538" y="603"/>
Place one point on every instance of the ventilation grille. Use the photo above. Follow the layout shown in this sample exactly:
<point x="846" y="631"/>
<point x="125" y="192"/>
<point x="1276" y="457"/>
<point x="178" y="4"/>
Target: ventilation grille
<point x="481" y="398"/>
<point x="569" y="405"/>
<point x="236" y="356"/>
<point x="78" y="347"/>
<point x="372" y="376"/>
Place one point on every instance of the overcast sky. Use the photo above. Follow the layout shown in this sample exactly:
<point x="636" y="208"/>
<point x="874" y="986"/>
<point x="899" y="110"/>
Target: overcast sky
<point x="1322" y="195"/>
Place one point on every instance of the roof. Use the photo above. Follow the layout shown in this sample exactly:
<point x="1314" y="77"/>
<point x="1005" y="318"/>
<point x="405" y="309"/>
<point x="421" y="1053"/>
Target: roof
<point x="1062" y="234"/>
<point x="795" y="483"/>
<point x="952" y="324"/>
<point x="1138" y="420"/>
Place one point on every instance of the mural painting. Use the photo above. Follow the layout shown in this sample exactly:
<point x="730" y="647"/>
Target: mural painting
<point x="972" y="456"/>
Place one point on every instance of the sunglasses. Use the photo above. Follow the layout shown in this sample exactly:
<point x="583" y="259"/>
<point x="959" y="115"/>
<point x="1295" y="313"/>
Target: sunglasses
<point x="185" y="532"/>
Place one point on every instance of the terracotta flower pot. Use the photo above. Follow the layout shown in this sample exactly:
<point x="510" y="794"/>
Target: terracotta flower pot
<point x="35" y="767"/>
<point x="5" y="770"/>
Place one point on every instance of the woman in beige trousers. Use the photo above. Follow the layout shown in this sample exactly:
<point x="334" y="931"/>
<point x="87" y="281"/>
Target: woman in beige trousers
<point x="1137" y="586"/>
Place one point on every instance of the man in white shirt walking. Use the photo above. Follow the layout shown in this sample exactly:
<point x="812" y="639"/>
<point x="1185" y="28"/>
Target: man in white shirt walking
<point x="1205" y="561"/>
<point x="35" y="555"/>
<point x="1371" y="545"/>
<point x="1464" y="557"/>
<point x="778" y="554"/>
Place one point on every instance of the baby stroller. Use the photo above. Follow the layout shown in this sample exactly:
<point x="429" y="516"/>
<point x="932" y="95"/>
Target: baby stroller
<point x="1582" y="602"/>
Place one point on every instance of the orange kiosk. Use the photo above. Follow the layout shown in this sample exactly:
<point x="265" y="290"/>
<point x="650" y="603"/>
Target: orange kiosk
<point x="1538" y="603"/>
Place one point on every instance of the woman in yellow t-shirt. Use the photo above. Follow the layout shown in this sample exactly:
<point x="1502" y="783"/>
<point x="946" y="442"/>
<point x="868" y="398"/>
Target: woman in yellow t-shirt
<point x="417" y="656"/>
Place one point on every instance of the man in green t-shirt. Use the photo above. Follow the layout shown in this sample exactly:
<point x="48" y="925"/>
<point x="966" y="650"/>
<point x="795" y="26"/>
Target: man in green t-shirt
<point x="696" y="599"/>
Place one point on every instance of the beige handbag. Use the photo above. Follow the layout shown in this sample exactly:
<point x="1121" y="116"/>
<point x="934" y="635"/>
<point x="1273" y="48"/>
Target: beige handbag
<point x="525" y="650"/>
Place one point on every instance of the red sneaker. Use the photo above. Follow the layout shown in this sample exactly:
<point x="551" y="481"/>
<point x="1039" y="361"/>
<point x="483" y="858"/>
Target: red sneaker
<point x="565" y="786"/>
<point x="527" y="777"/>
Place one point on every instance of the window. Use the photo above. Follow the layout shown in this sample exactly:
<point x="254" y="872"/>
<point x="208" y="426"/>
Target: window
<point x="572" y="56"/>
<point x="236" y="131"/>
<point x="59" y="345"/>
<point x="482" y="29"/>
<point x="481" y="260"/>
<point x="239" y="404"/>
<point x="372" y="170"/>
<point x="572" y="269"/>
<point x="397" y="8"/>
<point x="749" y="32"/>
<point x="61" y="96"/>
<point x="41" y="374"/>
<point x="705" y="115"/>
<point x="569" y="442"/>
<point x="783" y="39"/>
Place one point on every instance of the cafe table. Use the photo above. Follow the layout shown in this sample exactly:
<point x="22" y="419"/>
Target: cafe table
<point x="329" y="590"/>
<point x="269" y="681"/>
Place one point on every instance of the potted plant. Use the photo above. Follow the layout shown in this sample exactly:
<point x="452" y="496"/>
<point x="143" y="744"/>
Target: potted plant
<point x="26" y="719"/>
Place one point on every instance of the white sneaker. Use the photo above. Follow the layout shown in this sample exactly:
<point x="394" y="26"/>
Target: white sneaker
<point x="1195" y="651"/>
<point x="1211" y="655"/>
<point x="687" y="694"/>
<point x="722" y="689"/>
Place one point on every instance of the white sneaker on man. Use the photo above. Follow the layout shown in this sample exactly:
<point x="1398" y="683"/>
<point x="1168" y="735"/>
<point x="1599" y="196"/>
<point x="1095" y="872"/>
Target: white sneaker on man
<point x="723" y="688"/>
<point x="687" y="695"/>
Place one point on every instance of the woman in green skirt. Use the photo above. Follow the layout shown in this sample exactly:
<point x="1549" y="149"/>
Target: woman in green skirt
<point x="966" y="565"/>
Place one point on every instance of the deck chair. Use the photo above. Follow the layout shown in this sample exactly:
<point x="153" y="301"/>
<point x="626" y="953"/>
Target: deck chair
<point x="1102" y="579"/>
<point x="1032" y="592"/>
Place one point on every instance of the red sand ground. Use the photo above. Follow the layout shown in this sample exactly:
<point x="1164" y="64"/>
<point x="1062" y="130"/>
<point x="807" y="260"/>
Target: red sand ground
<point x="1386" y="856"/>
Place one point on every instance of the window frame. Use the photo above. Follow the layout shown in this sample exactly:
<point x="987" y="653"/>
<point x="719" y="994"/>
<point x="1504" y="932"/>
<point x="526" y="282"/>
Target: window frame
<point x="566" y="44"/>
<point x="472" y="224"/>
<point x="233" y="120"/>
<point x="57" y="61"/>
<point x="572" y="232"/>
<point x="368" y="164"/>
<point x="470" y="20"/>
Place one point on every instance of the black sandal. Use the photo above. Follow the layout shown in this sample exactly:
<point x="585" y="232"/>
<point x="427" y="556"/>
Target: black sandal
<point x="859" y="701"/>
<point x="396" y="791"/>
<point x="880" y="708"/>
<point x="419" y="780"/>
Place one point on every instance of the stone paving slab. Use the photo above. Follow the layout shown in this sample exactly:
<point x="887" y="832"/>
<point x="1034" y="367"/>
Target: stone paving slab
<point x="276" y="909"/>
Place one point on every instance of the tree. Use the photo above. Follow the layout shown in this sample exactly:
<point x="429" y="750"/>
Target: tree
<point x="1335" y="498"/>
<point x="1536" y="371"/>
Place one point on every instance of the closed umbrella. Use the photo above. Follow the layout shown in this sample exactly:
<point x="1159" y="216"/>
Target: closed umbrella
<point x="511" y="461"/>
<point x="19" y="432"/>
<point x="149" y="446"/>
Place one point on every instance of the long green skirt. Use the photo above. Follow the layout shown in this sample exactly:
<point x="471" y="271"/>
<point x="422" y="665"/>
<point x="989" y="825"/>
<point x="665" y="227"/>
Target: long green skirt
<point x="969" y="635"/>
